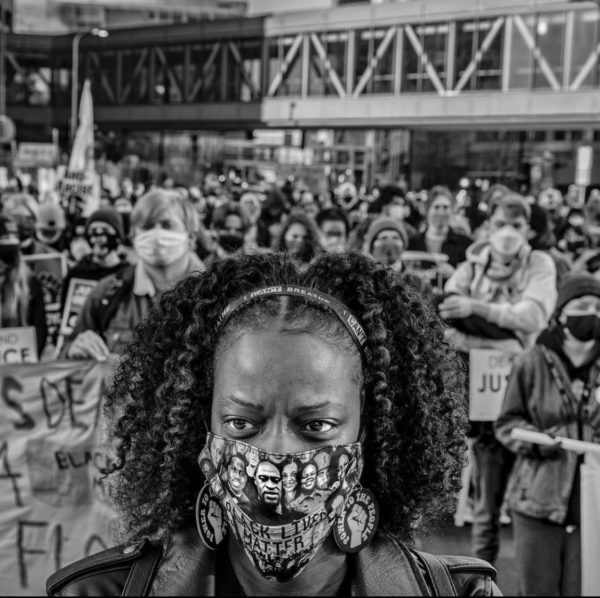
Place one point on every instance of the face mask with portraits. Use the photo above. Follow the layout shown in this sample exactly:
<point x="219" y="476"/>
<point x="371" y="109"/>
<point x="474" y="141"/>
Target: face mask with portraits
<point x="281" y="507"/>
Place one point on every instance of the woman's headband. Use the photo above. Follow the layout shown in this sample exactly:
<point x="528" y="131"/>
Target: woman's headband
<point x="346" y="317"/>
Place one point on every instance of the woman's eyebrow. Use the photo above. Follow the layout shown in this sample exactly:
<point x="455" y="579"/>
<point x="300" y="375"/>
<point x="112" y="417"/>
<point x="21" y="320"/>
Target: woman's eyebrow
<point x="301" y="409"/>
<point x="244" y="403"/>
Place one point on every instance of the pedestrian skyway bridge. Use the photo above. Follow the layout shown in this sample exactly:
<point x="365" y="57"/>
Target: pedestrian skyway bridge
<point x="417" y="63"/>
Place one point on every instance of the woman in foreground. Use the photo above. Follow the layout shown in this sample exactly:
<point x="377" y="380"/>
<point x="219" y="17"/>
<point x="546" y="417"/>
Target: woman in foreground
<point x="284" y="433"/>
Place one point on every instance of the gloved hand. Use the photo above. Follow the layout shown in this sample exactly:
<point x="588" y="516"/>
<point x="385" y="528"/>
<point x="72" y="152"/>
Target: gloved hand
<point x="547" y="452"/>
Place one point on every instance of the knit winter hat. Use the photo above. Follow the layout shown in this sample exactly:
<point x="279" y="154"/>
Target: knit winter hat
<point x="384" y="223"/>
<point x="110" y="216"/>
<point x="576" y="285"/>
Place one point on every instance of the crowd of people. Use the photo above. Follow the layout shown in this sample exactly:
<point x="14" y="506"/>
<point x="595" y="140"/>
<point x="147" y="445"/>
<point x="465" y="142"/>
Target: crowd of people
<point x="500" y="270"/>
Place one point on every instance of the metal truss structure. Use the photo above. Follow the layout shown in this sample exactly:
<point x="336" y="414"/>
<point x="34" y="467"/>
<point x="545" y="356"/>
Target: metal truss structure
<point x="460" y="63"/>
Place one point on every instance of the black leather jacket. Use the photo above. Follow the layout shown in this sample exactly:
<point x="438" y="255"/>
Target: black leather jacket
<point x="386" y="567"/>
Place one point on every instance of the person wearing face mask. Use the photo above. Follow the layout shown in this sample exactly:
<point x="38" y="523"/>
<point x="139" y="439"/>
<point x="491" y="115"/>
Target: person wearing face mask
<point x="299" y="237"/>
<point x="284" y="365"/>
<point x="103" y="233"/>
<point x="23" y="209"/>
<point x="335" y="228"/>
<point x="553" y="388"/>
<point x="21" y="295"/>
<point x="385" y="241"/>
<point x="230" y="225"/>
<point x="163" y="227"/>
<point x="392" y="202"/>
<point x="501" y="298"/>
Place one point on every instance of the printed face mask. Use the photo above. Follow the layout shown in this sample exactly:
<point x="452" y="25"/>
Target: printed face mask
<point x="161" y="247"/>
<point x="280" y="507"/>
<point x="584" y="327"/>
<point x="102" y="243"/>
<point x="507" y="242"/>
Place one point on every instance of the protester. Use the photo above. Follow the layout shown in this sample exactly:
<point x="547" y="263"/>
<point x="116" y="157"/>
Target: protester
<point x="23" y="209"/>
<point x="393" y="204"/>
<point x="543" y="239"/>
<point x="385" y="241"/>
<point x="501" y="298"/>
<point x="334" y="227"/>
<point x="261" y="359"/>
<point x="552" y="389"/>
<point x="163" y="227"/>
<point x="231" y="223"/>
<point x="103" y="233"/>
<point x="21" y="295"/>
<point x="439" y="236"/>
<point x="299" y="237"/>
<point x="257" y="232"/>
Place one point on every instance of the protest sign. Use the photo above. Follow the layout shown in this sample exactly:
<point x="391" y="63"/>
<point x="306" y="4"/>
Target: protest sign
<point x="54" y="504"/>
<point x="18" y="345"/>
<point x="77" y="294"/>
<point x="426" y="266"/>
<point x="590" y="532"/>
<point x="488" y="376"/>
<point x="50" y="270"/>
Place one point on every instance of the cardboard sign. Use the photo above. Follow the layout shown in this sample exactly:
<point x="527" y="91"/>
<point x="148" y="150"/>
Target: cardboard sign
<point x="77" y="294"/>
<point x="425" y="265"/>
<point x="50" y="269"/>
<point x="34" y="155"/>
<point x="590" y="530"/>
<point x="583" y="167"/>
<point x="18" y="345"/>
<point x="54" y="504"/>
<point x="488" y="376"/>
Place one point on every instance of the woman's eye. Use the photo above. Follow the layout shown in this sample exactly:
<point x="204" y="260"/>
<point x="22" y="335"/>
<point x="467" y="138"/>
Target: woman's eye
<point x="239" y="425"/>
<point x="319" y="426"/>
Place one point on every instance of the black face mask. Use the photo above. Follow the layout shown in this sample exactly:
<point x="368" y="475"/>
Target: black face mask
<point x="584" y="328"/>
<point x="9" y="254"/>
<point x="230" y="243"/>
<point x="106" y="241"/>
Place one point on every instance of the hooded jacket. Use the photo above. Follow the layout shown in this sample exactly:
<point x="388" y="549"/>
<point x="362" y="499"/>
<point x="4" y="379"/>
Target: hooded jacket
<point x="522" y="302"/>
<point x="541" y="487"/>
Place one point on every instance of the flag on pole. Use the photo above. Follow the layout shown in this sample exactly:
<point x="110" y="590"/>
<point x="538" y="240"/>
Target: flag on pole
<point x="82" y="153"/>
<point x="81" y="178"/>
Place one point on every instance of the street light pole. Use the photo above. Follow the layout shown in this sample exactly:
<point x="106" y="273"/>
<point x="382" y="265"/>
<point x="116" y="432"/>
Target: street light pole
<point x="75" y="74"/>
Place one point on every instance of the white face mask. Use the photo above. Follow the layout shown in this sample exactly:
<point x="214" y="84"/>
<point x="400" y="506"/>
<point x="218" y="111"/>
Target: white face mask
<point x="161" y="247"/>
<point x="507" y="242"/>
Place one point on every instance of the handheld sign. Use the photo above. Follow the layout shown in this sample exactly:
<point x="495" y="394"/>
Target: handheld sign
<point x="18" y="345"/>
<point x="425" y="265"/>
<point x="77" y="294"/>
<point x="50" y="270"/>
<point x="488" y="376"/>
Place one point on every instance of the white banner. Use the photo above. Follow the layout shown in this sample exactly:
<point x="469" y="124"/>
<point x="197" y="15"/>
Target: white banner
<point x="54" y="505"/>
<point x="18" y="345"/>
<point x="590" y="528"/>
<point x="488" y="377"/>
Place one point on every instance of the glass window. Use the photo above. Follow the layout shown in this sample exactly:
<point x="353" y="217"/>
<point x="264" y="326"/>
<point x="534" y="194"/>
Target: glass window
<point x="205" y="72"/>
<point x="521" y="67"/>
<point x="244" y="70"/>
<point x="550" y="38"/>
<point x="292" y="79"/>
<point x="585" y="39"/>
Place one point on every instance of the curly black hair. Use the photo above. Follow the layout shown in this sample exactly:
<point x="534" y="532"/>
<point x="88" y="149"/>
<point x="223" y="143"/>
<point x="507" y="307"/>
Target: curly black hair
<point x="414" y="409"/>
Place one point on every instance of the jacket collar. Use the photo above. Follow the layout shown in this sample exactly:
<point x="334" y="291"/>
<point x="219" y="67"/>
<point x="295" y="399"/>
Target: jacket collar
<point x="384" y="567"/>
